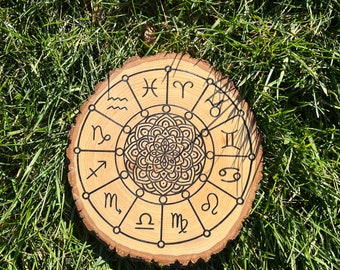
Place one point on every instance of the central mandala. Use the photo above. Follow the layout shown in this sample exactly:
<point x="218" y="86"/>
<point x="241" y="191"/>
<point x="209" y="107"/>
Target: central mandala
<point x="164" y="154"/>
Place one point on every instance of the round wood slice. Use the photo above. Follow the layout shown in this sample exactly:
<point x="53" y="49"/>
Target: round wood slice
<point x="165" y="159"/>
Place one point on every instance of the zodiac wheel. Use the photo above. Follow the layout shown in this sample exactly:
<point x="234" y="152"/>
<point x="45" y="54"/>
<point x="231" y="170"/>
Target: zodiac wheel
<point x="165" y="159"/>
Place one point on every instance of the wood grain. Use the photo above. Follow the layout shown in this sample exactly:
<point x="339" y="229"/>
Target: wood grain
<point x="165" y="159"/>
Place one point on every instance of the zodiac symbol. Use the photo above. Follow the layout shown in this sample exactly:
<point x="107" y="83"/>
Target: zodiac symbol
<point x="216" y="105"/>
<point x="107" y="137"/>
<point x="116" y="99"/>
<point x="94" y="172"/>
<point x="116" y="107"/>
<point x="145" y="219"/>
<point x="229" y="139"/>
<point x="183" y="85"/>
<point x="236" y="174"/>
<point x="179" y="222"/>
<point x="206" y="206"/>
<point x="112" y="198"/>
<point x="151" y="87"/>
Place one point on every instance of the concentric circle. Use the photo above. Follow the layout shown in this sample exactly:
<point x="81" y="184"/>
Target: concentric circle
<point x="165" y="159"/>
<point x="164" y="153"/>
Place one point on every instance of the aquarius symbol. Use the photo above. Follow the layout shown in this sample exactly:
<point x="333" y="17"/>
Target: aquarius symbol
<point x="107" y="137"/>
<point x="151" y="87"/>
<point x="191" y="85"/>
<point x="179" y="222"/>
<point x="117" y="98"/>
<point x="94" y="172"/>
<point x="206" y="206"/>
<point x="116" y="107"/>
<point x="145" y="219"/>
<point x="112" y="199"/>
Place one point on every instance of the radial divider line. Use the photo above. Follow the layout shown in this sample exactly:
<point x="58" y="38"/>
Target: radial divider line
<point x="249" y="173"/>
<point x="161" y="228"/>
<point x="104" y="115"/>
<point x="98" y="150"/>
<point x="198" y="100"/>
<point x="193" y="208"/>
<point x="220" y="124"/>
<point x="128" y="211"/>
<point x="221" y="189"/>
<point x="134" y="95"/>
<point x="108" y="183"/>
<point x="232" y="156"/>
<point x="167" y="88"/>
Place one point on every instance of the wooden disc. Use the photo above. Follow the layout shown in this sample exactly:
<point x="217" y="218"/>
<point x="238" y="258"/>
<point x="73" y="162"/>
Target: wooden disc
<point x="165" y="159"/>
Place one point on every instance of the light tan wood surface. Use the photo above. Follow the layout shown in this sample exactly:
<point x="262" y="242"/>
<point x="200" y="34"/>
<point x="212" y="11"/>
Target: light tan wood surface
<point x="165" y="159"/>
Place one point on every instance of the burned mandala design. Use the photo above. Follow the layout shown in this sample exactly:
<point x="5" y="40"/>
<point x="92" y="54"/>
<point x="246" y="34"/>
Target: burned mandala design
<point x="164" y="154"/>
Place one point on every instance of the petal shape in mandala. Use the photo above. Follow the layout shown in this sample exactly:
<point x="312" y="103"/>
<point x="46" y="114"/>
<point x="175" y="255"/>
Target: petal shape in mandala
<point x="175" y="132"/>
<point x="173" y="177"/>
<point x="164" y="175"/>
<point x="197" y="155"/>
<point x="142" y="130"/>
<point x="140" y="176"/>
<point x="171" y="139"/>
<point x="131" y="152"/>
<point x="157" y="167"/>
<point x="177" y="189"/>
<point x="187" y="163"/>
<point x="149" y="159"/>
<point x="150" y="139"/>
<point x="172" y="147"/>
<point x="165" y="133"/>
<point x="188" y="131"/>
<point x="149" y="187"/>
<point x="187" y="178"/>
<point x="144" y="153"/>
<point x="171" y="161"/>
<point x="163" y="187"/>
<point x="187" y="143"/>
<point x="165" y="121"/>
<point x="155" y="131"/>
<point x="154" y="176"/>
<point x="149" y="167"/>
<point x="178" y="168"/>
<point x="141" y="162"/>
<point x="164" y="163"/>
<point x="179" y="159"/>
<point x="142" y="144"/>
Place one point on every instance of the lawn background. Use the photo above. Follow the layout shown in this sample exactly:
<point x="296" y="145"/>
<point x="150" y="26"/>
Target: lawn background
<point x="283" y="55"/>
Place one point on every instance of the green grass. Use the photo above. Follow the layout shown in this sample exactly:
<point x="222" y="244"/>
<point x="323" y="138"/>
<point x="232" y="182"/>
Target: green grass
<point x="284" y="57"/>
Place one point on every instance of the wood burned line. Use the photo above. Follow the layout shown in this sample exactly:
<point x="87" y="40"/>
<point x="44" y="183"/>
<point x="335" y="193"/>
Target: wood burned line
<point x="102" y="186"/>
<point x="94" y="109"/>
<point x="168" y="69"/>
